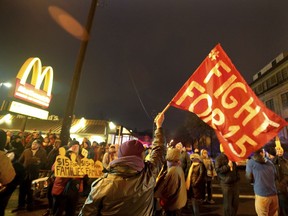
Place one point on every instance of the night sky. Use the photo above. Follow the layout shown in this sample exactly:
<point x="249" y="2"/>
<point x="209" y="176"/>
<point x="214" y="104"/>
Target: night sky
<point x="140" y="52"/>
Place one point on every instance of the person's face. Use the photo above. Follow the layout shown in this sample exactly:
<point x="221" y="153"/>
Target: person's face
<point x="179" y="146"/>
<point x="85" y="145"/>
<point x="35" y="135"/>
<point x="263" y="153"/>
<point x="269" y="155"/>
<point x="112" y="150"/>
<point x="46" y="140"/>
<point x="34" y="146"/>
<point x="205" y="154"/>
<point x="75" y="148"/>
<point x="51" y="139"/>
<point x="57" y="144"/>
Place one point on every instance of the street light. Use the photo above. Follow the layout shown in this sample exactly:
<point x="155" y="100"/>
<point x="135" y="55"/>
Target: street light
<point x="6" y="84"/>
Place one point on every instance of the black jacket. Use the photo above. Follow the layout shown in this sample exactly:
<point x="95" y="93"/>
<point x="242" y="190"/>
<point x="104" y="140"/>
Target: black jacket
<point x="224" y="174"/>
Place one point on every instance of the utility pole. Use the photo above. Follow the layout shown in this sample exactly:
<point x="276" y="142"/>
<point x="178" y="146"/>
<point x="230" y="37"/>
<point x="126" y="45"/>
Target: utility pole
<point x="67" y="120"/>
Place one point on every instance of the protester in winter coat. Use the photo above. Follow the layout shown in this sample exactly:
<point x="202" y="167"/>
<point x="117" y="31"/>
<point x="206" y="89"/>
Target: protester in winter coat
<point x="87" y="146"/>
<point x="128" y="187"/>
<point x="281" y="165"/>
<point x="261" y="172"/>
<point x="195" y="182"/>
<point x="184" y="158"/>
<point x="50" y="161"/>
<point x="7" y="174"/>
<point x="33" y="159"/>
<point x="17" y="146"/>
<point x="228" y="176"/>
<point x="65" y="192"/>
<point x="109" y="156"/>
<point x="210" y="174"/>
<point x="172" y="191"/>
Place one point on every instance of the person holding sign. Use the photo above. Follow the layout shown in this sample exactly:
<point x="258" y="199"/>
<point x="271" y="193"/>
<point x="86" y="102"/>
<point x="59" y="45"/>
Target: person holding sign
<point x="128" y="186"/>
<point x="65" y="190"/>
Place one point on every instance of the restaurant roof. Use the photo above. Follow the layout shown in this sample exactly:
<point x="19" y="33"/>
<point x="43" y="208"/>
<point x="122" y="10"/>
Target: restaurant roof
<point x="29" y="125"/>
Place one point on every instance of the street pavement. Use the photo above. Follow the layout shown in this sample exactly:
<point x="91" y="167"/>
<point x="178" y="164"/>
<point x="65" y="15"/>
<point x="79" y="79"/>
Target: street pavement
<point x="246" y="205"/>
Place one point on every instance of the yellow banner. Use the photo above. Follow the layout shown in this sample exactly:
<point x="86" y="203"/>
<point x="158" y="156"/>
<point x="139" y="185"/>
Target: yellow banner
<point x="71" y="168"/>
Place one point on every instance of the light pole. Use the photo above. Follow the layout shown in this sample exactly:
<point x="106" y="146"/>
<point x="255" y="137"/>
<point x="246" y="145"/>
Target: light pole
<point x="67" y="120"/>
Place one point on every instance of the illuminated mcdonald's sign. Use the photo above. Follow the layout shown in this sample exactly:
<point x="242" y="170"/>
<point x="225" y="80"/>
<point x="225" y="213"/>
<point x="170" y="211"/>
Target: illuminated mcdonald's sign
<point x="31" y="92"/>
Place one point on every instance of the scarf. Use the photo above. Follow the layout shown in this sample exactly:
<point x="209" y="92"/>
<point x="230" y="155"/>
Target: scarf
<point x="188" y="180"/>
<point x="134" y="162"/>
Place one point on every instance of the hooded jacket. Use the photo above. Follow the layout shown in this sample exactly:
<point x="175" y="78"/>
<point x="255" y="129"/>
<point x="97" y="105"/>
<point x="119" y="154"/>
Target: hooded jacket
<point x="124" y="190"/>
<point x="172" y="191"/>
<point x="262" y="173"/>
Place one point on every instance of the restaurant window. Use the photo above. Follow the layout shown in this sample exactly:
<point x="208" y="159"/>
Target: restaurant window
<point x="284" y="99"/>
<point x="270" y="104"/>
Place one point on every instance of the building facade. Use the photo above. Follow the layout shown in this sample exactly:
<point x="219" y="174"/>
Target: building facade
<point x="270" y="84"/>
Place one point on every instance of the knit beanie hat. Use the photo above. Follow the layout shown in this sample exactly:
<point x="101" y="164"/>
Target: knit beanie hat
<point x="131" y="147"/>
<point x="173" y="155"/>
<point x="3" y="139"/>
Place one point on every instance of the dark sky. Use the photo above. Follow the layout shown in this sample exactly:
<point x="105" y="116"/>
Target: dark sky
<point x="141" y="51"/>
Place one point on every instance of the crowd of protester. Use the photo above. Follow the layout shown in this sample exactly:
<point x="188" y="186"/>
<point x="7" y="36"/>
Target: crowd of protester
<point x="137" y="180"/>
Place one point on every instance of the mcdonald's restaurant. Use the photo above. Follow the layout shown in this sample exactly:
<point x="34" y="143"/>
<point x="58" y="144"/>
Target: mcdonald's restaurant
<point x="95" y="130"/>
<point x="24" y="107"/>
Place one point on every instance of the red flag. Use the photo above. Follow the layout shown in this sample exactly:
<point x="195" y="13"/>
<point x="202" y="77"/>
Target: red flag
<point x="219" y="95"/>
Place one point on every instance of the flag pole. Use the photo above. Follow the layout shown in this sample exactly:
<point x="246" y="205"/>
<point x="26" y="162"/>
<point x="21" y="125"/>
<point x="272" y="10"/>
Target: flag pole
<point x="166" y="108"/>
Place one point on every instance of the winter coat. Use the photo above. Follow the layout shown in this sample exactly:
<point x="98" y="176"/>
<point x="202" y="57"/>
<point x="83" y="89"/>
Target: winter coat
<point x="185" y="162"/>
<point x="7" y="172"/>
<point x="281" y="165"/>
<point x="51" y="158"/>
<point x="125" y="191"/>
<point x="224" y="174"/>
<point x="63" y="185"/>
<point x="195" y="182"/>
<point x="107" y="158"/>
<point x="33" y="163"/>
<point x="172" y="191"/>
<point x="262" y="173"/>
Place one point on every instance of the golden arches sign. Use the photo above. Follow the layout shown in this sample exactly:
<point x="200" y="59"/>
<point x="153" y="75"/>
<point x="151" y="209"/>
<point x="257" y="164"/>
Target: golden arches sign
<point x="32" y="92"/>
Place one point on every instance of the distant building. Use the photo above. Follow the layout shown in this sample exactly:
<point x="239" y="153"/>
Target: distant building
<point x="271" y="86"/>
